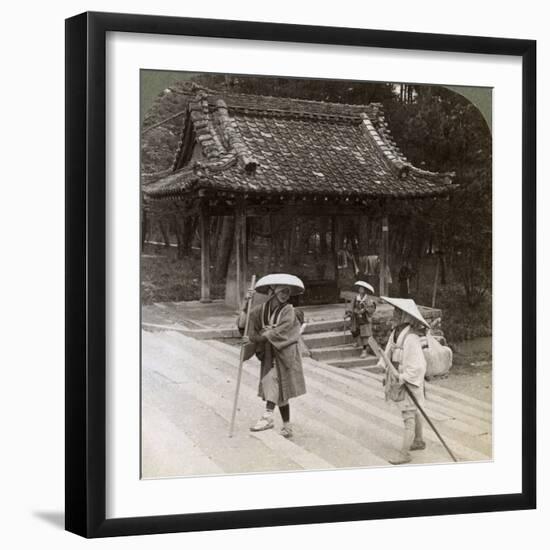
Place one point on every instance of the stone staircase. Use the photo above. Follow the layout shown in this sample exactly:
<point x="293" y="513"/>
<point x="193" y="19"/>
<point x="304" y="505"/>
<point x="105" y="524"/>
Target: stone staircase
<point x="327" y="343"/>
<point x="343" y="421"/>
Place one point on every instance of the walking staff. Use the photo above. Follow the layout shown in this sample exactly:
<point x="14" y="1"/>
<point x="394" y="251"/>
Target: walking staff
<point x="250" y="298"/>
<point x="381" y="355"/>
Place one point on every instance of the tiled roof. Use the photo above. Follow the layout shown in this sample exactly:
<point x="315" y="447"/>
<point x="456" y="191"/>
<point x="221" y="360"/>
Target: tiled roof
<point x="268" y="145"/>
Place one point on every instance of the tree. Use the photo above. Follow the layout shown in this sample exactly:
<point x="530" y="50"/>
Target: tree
<point x="442" y="131"/>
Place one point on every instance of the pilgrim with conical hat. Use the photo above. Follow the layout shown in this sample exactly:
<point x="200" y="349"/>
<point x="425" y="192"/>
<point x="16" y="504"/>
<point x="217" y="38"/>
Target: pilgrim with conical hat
<point x="273" y="335"/>
<point x="404" y="350"/>
<point x="361" y="313"/>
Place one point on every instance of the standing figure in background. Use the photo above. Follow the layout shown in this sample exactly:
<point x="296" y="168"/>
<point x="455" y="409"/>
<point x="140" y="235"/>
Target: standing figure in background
<point x="273" y="336"/>
<point x="404" y="276"/>
<point x="372" y="269"/>
<point x="362" y="311"/>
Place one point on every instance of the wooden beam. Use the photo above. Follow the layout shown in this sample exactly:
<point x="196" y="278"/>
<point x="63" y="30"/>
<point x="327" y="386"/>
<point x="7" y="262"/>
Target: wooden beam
<point x="204" y="223"/>
<point x="220" y="208"/>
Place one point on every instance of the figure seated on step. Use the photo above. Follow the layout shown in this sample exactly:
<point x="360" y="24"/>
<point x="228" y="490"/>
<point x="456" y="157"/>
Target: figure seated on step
<point x="274" y="331"/>
<point x="361" y="314"/>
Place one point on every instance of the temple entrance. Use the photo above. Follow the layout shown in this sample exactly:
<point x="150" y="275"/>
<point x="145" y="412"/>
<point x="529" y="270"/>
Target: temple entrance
<point x="327" y="252"/>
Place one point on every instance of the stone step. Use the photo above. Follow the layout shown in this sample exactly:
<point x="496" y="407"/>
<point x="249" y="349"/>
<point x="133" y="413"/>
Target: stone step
<point x="326" y="325"/>
<point x="334" y="353"/>
<point x="368" y="363"/>
<point x="342" y="420"/>
<point x="327" y="339"/>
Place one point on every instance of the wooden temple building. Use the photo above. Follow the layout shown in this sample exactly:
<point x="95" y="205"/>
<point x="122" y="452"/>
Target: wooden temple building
<point x="251" y="155"/>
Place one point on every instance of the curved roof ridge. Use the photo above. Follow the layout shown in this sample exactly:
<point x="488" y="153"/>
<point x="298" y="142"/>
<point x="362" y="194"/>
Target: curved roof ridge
<point x="293" y="105"/>
<point x="397" y="163"/>
<point x="199" y="126"/>
<point x="274" y="103"/>
<point x="385" y="133"/>
<point x="400" y="163"/>
<point x="231" y="133"/>
<point x="312" y="151"/>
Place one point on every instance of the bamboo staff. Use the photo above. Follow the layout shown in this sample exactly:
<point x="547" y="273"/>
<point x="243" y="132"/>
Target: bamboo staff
<point x="241" y="358"/>
<point x="381" y="355"/>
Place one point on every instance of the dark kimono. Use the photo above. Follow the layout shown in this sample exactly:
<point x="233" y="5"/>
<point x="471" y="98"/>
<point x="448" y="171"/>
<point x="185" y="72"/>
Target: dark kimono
<point x="361" y="316"/>
<point x="281" y="373"/>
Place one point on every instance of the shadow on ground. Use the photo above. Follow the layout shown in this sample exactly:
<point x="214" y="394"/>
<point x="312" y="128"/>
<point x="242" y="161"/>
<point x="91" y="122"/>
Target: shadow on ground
<point x="57" y="519"/>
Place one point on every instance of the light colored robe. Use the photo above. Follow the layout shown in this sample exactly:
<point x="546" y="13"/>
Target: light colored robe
<point x="407" y="356"/>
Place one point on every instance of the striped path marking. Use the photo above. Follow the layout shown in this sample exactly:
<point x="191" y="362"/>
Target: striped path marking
<point x="361" y="405"/>
<point x="365" y="425"/>
<point x="223" y="407"/>
<point x="208" y="429"/>
<point x="167" y="452"/>
<point x="452" y="394"/>
<point x="472" y="411"/>
<point x="249" y="391"/>
<point x="273" y="441"/>
<point x="438" y="407"/>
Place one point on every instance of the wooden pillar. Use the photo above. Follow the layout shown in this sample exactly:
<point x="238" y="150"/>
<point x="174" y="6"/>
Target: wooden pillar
<point x="240" y="250"/>
<point x="204" y="223"/>
<point x="334" y="247"/>
<point x="384" y="256"/>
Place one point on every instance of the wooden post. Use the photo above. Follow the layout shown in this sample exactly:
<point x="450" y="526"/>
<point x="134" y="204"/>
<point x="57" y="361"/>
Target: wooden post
<point x="204" y="222"/>
<point x="384" y="257"/>
<point x="334" y="249"/>
<point x="240" y="249"/>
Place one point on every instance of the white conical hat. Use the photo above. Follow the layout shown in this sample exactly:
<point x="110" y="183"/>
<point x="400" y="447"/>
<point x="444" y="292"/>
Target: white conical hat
<point x="408" y="306"/>
<point x="276" y="279"/>
<point x="364" y="285"/>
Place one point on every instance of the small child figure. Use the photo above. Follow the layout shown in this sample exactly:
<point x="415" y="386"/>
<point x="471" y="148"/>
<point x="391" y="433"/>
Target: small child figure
<point x="362" y="311"/>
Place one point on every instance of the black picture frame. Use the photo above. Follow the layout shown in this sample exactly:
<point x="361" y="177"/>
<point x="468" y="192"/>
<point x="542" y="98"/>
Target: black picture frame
<point x="86" y="272"/>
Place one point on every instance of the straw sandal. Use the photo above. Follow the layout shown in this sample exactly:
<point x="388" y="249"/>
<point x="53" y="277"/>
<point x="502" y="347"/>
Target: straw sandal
<point x="264" y="423"/>
<point x="286" y="431"/>
<point x="400" y="458"/>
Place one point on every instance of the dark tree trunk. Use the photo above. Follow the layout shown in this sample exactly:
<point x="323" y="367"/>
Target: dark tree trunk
<point x="293" y="239"/>
<point x="323" y="244"/>
<point x="179" y="239"/>
<point x="164" y="232"/>
<point x="225" y="247"/>
<point x="443" y="269"/>
<point x="363" y="235"/>
<point x="144" y="228"/>
<point x="190" y="227"/>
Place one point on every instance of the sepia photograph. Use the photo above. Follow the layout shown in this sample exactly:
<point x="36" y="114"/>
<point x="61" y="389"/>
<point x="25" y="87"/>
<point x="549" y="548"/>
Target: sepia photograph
<point x="316" y="274"/>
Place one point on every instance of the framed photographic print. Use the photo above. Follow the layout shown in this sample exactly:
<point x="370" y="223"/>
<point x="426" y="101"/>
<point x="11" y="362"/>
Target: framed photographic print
<point x="300" y="274"/>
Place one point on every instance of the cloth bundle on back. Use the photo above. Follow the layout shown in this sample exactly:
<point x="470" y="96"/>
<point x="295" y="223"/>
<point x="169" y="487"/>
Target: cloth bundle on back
<point x="439" y="358"/>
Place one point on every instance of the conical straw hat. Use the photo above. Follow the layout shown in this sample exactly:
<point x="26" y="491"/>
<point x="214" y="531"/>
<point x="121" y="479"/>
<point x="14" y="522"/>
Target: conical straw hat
<point x="284" y="279"/>
<point x="408" y="306"/>
<point x="364" y="285"/>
